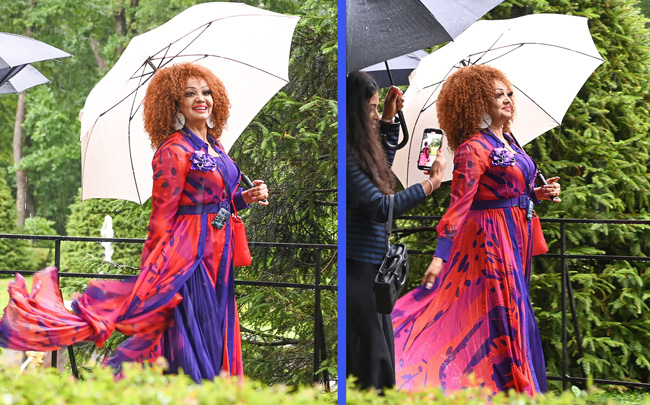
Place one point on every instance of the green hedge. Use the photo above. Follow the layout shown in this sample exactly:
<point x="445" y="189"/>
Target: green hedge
<point x="44" y="386"/>
<point x="575" y="396"/>
<point x="142" y="386"/>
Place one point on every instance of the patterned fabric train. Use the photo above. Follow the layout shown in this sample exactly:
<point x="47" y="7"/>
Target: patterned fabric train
<point x="181" y="305"/>
<point x="476" y="326"/>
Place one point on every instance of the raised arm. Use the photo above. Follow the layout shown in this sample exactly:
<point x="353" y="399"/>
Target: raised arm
<point x="363" y="193"/>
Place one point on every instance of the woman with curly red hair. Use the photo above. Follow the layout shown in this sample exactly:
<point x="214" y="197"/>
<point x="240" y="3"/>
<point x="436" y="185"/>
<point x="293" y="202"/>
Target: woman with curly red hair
<point x="182" y="304"/>
<point x="471" y="323"/>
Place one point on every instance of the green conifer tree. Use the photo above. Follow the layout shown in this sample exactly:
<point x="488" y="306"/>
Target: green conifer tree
<point x="15" y="254"/>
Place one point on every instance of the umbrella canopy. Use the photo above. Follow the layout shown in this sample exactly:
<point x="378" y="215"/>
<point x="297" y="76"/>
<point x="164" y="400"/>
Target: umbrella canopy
<point x="546" y="57"/>
<point x="16" y="54"/>
<point x="246" y="47"/>
<point x="400" y="69"/>
<point x="20" y="80"/>
<point x="381" y="30"/>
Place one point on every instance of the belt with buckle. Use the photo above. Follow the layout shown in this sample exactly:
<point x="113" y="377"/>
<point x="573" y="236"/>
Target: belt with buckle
<point x="201" y="209"/>
<point x="521" y="202"/>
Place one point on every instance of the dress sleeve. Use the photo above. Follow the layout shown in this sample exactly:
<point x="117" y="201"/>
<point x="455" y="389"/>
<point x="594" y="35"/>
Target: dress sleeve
<point x="469" y="165"/>
<point x="238" y="200"/>
<point x="364" y="195"/>
<point x="170" y="171"/>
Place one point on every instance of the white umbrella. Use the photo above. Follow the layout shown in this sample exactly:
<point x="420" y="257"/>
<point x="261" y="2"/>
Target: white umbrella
<point x="16" y="54"/>
<point x="546" y="57"/>
<point x="246" y="47"/>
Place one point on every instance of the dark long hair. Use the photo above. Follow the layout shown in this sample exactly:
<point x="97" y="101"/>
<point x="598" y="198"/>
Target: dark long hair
<point x="363" y="142"/>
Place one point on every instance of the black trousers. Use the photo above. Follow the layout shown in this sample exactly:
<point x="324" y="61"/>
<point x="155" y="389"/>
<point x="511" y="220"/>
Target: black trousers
<point x="370" y="346"/>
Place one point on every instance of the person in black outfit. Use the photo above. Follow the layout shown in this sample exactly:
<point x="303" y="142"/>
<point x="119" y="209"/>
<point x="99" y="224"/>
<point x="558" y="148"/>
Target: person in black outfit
<point x="370" y="350"/>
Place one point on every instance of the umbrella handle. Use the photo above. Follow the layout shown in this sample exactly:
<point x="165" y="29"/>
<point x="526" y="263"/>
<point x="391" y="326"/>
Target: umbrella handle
<point x="405" y="131"/>
<point x="248" y="182"/>
<point x="541" y="178"/>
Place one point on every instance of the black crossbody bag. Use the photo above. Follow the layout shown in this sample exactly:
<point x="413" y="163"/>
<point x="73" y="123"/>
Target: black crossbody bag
<point x="393" y="272"/>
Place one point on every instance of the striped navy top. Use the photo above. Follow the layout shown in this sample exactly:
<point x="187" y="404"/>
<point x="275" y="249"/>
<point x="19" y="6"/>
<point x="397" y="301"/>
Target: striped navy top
<point x="367" y="207"/>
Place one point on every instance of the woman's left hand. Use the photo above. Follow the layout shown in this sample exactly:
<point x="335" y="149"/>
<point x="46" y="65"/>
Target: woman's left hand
<point x="433" y="271"/>
<point x="257" y="193"/>
<point x="393" y="103"/>
<point x="550" y="191"/>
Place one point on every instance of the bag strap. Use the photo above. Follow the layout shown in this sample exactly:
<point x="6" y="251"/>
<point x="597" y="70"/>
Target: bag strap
<point x="232" y="204"/>
<point x="389" y="224"/>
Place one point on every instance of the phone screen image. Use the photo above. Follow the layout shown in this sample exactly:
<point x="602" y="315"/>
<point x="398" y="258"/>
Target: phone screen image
<point x="431" y="142"/>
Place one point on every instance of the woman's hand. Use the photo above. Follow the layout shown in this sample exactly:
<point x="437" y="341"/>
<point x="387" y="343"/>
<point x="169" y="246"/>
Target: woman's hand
<point x="392" y="104"/>
<point x="257" y="193"/>
<point x="432" y="272"/>
<point x="436" y="172"/>
<point x="549" y="191"/>
<point x="438" y="169"/>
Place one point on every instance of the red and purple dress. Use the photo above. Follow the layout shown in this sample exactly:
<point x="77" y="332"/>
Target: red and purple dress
<point x="476" y="326"/>
<point x="182" y="304"/>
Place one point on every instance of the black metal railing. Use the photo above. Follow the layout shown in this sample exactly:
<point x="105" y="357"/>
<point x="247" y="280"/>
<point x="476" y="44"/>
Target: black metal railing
<point x="320" y="344"/>
<point x="566" y="287"/>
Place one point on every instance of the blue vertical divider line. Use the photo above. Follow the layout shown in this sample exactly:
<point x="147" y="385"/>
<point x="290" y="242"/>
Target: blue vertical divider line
<point x="341" y="200"/>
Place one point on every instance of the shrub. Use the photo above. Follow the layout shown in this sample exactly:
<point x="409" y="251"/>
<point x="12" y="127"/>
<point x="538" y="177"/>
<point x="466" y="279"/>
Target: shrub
<point x="142" y="386"/>
<point x="575" y="396"/>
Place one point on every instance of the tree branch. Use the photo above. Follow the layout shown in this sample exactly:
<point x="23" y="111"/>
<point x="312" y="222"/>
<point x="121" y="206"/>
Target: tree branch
<point x="101" y="63"/>
<point x="282" y="342"/>
<point x="277" y="340"/>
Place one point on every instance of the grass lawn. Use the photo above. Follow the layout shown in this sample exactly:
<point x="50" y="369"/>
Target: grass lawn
<point x="4" y="294"/>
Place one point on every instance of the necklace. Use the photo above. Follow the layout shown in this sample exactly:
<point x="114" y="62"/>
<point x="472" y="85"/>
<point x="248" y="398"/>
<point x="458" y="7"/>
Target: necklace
<point x="510" y="148"/>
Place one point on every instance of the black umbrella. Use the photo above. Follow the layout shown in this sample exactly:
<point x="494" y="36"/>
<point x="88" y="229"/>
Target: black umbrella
<point x="398" y="70"/>
<point x="379" y="30"/>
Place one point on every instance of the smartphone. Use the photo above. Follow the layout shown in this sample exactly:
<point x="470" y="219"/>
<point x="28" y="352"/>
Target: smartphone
<point x="431" y="142"/>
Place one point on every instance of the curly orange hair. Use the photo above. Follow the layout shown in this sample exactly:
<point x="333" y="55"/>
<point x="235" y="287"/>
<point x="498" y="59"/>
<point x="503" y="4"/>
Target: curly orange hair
<point x="465" y="98"/>
<point x="165" y="92"/>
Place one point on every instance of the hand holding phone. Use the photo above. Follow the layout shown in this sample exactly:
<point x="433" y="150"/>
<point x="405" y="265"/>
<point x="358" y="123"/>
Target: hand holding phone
<point x="249" y="184"/>
<point x="541" y="178"/>
<point x="431" y="143"/>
